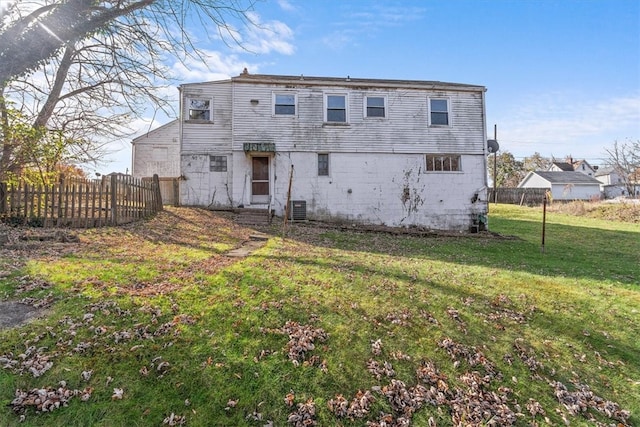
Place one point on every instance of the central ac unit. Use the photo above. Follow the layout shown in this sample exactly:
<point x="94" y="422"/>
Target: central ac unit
<point x="298" y="210"/>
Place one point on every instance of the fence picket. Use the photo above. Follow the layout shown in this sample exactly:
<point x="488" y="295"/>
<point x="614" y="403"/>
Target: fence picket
<point x="80" y="203"/>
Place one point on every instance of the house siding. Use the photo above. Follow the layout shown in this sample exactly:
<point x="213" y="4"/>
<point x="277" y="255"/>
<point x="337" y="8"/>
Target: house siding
<point x="405" y="130"/>
<point x="157" y="152"/>
<point x="377" y="167"/>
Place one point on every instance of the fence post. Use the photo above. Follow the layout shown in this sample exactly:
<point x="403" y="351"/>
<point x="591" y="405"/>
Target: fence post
<point x="176" y="192"/>
<point x="157" y="196"/>
<point x="3" y="198"/>
<point x="60" y="190"/>
<point x="114" y="199"/>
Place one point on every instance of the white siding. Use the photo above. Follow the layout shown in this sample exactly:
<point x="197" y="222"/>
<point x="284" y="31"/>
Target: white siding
<point x="157" y="152"/>
<point x="575" y="191"/>
<point x="200" y="187"/>
<point x="207" y="137"/>
<point x="377" y="166"/>
<point x="392" y="189"/>
<point x="405" y="130"/>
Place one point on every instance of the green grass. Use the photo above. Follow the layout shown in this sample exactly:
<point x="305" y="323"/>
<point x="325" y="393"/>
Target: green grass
<point x="166" y="289"/>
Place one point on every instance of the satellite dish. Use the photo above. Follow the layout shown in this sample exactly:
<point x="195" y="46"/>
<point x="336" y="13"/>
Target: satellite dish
<point x="492" y="146"/>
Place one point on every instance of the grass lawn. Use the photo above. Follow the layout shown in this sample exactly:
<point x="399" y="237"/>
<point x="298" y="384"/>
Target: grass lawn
<point x="151" y="324"/>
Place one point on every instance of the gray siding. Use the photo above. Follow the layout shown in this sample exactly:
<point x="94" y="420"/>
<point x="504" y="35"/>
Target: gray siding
<point x="405" y="130"/>
<point x="207" y="137"/>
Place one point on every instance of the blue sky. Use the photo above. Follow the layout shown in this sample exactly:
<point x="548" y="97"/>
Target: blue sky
<point x="562" y="76"/>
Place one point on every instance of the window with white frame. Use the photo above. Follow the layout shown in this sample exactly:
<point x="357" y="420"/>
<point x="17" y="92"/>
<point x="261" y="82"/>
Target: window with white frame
<point x="439" y="111"/>
<point x="284" y="104"/>
<point x="217" y="163"/>
<point x="323" y="164"/>
<point x="199" y="109"/>
<point x="443" y="163"/>
<point x="336" y="108"/>
<point x="376" y="106"/>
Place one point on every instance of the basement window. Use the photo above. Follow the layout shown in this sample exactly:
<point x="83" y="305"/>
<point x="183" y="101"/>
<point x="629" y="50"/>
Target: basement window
<point x="323" y="164"/>
<point x="217" y="163"/>
<point x="443" y="163"/>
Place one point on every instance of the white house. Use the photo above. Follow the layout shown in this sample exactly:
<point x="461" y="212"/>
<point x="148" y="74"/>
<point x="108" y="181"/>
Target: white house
<point x="564" y="185"/>
<point x="371" y="151"/>
<point x="158" y="152"/>
<point x="570" y="165"/>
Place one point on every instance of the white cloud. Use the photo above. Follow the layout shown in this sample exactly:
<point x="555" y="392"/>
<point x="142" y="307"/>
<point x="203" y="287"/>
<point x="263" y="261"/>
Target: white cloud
<point x="354" y="25"/>
<point x="214" y="66"/>
<point x="561" y="124"/>
<point x="286" y="5"/>
<point x="265" y="37"/>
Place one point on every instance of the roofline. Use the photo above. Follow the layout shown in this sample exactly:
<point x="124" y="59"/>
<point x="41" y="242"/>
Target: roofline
<point x="354" y="82"/>
<point x="146" y="134"/>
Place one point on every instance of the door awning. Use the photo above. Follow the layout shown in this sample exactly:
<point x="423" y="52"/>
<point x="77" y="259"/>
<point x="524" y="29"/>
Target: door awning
<point x="260" y="147"/>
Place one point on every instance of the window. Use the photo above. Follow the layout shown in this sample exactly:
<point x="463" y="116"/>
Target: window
<point x="323" y="165"/>
<point x="443" y="163"/>
<point x="217" y="163"/>
<point x="439" y="112"/>
<point x="336" y="110"/>
<point x="199" y="109"/>
<point x="376" y="106"/>
<point x="284" y="104"/>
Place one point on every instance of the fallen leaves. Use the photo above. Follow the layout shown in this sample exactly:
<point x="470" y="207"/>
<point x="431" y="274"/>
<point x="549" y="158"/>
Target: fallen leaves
<point x="47" y="399"/>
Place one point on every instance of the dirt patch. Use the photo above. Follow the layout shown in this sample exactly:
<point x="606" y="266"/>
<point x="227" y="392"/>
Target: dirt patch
<point x="14" y="313"/>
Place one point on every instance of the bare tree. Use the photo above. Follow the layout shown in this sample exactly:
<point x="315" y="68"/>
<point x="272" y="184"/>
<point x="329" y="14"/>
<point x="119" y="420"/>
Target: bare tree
<point x="28" y="40"/>
<point x="99" y="63"/>
<point x="624" y="158"/>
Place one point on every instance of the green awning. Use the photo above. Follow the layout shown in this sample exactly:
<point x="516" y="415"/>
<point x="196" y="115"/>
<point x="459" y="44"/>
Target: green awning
<point x="261" y="147"/>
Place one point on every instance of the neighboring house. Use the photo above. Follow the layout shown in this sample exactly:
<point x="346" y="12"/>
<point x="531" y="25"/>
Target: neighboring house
<point x="370" y="151"/>
<point x="612" y="183"/>
<point x="570" y="165"/>
<point x="158" y="152"/>
<point x="563" y="185"/>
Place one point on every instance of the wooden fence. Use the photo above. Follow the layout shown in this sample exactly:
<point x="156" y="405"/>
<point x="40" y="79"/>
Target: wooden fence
<point x="112" y="200"/>
<point x="517" y="196"/>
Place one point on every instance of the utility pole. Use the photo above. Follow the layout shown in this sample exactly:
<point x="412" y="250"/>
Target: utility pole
<point x="495" y="163"/>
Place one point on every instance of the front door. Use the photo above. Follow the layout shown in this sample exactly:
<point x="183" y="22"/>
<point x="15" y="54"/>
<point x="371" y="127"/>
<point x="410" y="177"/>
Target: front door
<point x="259" y="180"/>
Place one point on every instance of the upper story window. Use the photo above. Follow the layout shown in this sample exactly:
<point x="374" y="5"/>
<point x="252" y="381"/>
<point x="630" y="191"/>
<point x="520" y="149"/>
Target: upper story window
<point x="200" y="109"/>
<point x="439" y="111"/>
<point x="336" y="108"/>
<point x="284" y="104"/>
<point x="375" y="106"/>
<point x="443" y="163"/>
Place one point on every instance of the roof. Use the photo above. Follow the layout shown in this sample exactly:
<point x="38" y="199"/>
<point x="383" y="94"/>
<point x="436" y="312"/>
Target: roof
<point x="567" y="167"/>
<point x="606" y="171"/>
<point x="555" y="177"/>
<point x="245" y="77"/>
<point x="174" y="122"/>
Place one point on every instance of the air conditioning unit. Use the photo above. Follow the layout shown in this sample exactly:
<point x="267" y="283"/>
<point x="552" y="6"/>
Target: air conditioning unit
<point x="298" y="210"/>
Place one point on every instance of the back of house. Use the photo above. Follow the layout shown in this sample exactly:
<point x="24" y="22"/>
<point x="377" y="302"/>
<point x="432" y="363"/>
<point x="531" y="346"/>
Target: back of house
<point x="362" y="151"/>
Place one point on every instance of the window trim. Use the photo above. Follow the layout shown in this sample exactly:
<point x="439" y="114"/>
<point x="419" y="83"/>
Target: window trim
<point x="365" y="107"/>
<point x="326" y="107"/>
<point x="274" y="96"/>
<point x="189" y="109"/>
<point x="328" y="164"/>
<point x="439" y="98"/>
<point x="449" y="157"/>
<point x="212" y="161"/>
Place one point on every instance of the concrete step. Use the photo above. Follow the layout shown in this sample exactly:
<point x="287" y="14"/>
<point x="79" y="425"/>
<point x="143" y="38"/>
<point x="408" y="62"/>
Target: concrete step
<point x="252" y="216"/>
